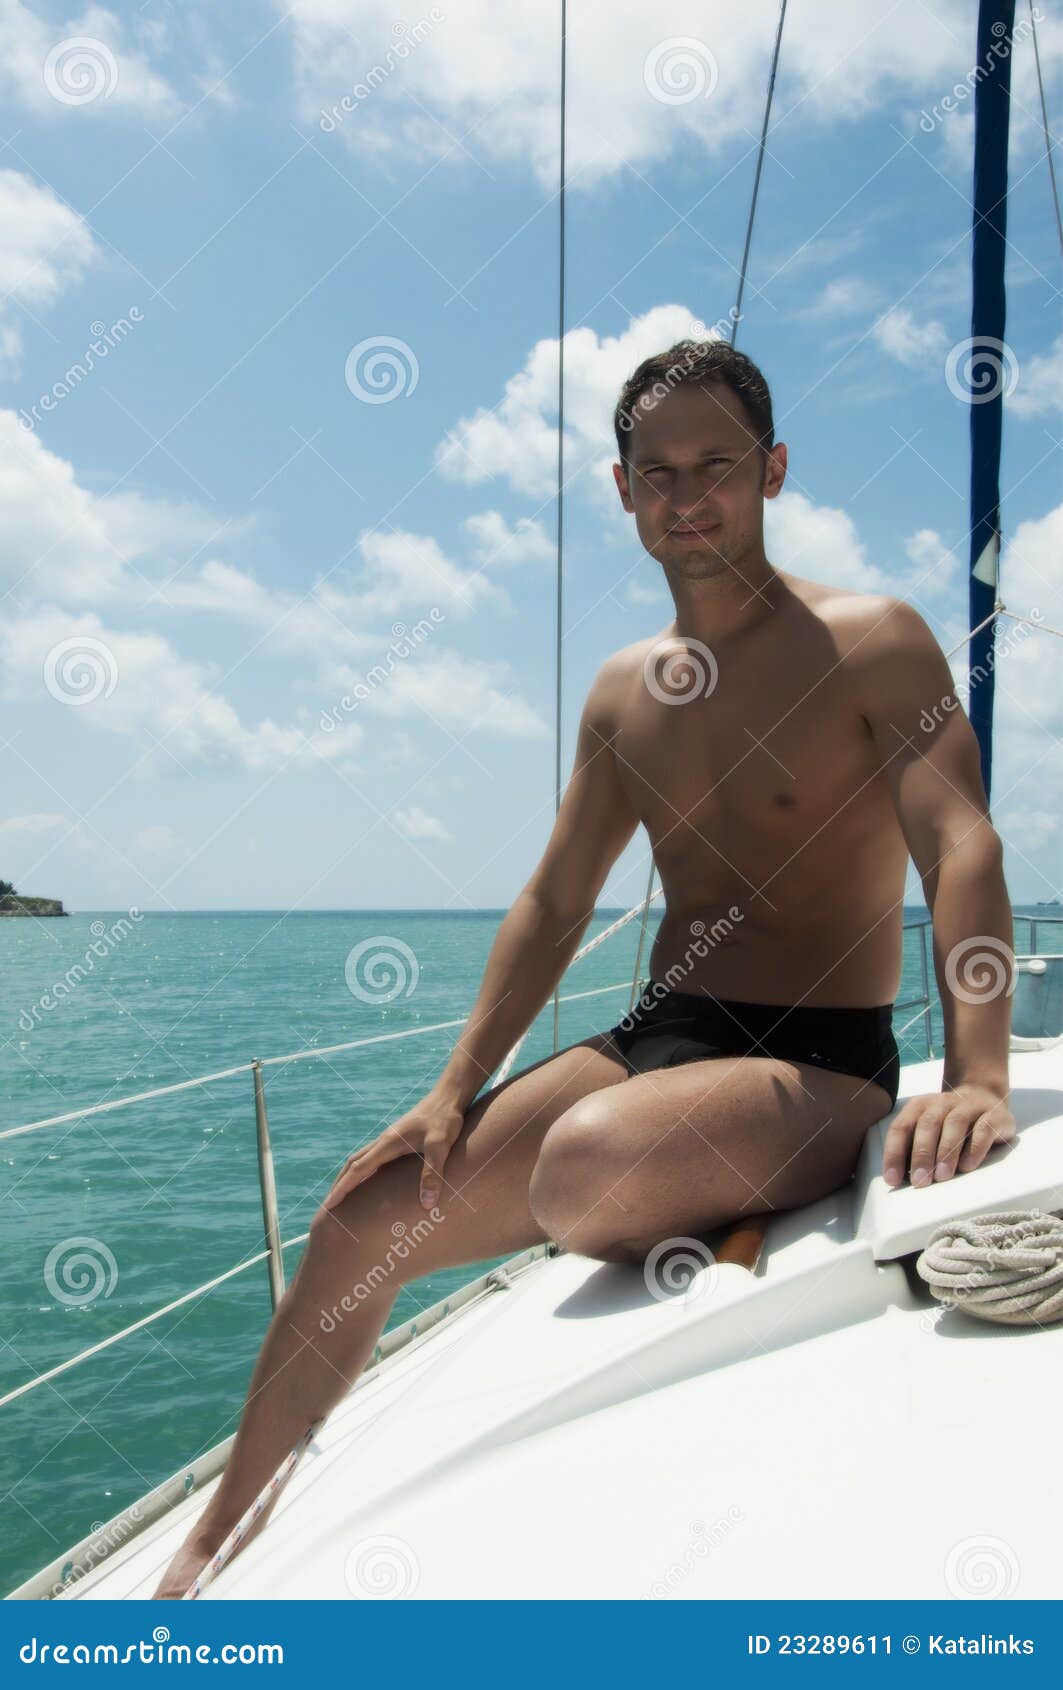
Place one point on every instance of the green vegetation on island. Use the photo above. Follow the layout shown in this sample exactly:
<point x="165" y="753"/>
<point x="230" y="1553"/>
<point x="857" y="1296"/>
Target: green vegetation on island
<point x="15" y="903"/>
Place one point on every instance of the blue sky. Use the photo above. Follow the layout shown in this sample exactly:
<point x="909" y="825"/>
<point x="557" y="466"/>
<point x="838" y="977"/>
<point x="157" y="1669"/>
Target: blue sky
<point x="223" y="527"/>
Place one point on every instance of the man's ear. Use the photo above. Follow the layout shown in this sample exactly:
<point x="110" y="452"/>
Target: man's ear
<point x="775" y="470"/>
<point x="620" y="477"/>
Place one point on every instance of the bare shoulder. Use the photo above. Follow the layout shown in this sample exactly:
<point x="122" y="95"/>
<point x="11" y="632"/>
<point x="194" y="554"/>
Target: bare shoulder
<point x="611" y="685"/>
<point x="868" y="627"/>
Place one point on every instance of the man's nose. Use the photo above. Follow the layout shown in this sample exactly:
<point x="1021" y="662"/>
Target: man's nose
<point x="691" y="486"/>
<point x="691" y="497"/>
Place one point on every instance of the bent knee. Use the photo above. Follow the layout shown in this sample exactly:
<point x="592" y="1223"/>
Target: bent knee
<point x="367" y="1212"/>
<point x="571" y="1193"/>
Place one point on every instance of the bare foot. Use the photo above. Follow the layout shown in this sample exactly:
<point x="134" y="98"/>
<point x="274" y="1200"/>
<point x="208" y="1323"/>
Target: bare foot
<point x="184" y="1569"/>
<point x="201" y="1545"/>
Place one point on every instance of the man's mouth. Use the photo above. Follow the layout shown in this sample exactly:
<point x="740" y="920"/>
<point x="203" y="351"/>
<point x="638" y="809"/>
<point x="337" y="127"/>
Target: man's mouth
<point x="693" y="530"/>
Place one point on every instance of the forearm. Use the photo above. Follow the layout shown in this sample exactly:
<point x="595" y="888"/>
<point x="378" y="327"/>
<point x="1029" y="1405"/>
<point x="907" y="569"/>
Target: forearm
<point x="973" y="952"/>
<point x="532" y="948"/>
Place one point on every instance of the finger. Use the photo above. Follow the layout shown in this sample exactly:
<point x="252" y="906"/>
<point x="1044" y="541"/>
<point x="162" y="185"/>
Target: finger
<point x="954" y="1130"/>
<point x="898" y="1138"/>
<point x="364" y="1163"/>
<point x="355" y="1174"/>
<point x="989" y="1129"/>
<point x="925" y="1140"/>
<point x="433" y="1162"/>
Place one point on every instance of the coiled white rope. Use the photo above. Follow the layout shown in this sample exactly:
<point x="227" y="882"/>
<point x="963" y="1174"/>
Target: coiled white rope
<point x="1004" y="1267"/>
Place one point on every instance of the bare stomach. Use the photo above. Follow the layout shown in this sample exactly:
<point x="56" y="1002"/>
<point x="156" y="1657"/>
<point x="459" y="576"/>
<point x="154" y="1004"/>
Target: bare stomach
<point x="850" y="963"/>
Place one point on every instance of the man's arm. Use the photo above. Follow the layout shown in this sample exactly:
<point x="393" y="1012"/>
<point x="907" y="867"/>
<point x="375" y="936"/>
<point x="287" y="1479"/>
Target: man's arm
<point x="930" y="758"/>
<point x="532" y="949"/>
<point x="541" y="933"/>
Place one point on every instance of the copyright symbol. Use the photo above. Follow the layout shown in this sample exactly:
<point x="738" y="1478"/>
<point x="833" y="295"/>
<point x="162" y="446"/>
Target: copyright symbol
<point x="910" y="1645"/>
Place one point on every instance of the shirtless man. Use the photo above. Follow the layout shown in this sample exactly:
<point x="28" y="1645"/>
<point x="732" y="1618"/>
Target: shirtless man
<point x="786" y="746"/>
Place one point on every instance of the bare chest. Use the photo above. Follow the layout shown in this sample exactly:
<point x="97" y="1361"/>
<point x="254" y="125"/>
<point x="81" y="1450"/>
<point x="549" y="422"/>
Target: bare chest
<point x="751" y="770"/>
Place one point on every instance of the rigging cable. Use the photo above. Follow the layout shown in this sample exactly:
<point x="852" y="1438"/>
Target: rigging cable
<point x="1044" y="124"/>
<point x="560" y="460"/>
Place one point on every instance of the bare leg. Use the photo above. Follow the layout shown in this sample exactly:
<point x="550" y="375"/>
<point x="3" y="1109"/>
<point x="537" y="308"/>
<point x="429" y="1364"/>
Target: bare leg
<point x="336" y="1306"/>
<point x="679" y="1151"/>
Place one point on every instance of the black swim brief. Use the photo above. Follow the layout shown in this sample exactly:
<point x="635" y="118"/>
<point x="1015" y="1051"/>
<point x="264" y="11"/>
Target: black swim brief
<point x="666" y="1028"/>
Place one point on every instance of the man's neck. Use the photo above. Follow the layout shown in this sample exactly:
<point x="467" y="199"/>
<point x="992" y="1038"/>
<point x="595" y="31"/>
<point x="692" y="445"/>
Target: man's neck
<point x="729" y="602"/>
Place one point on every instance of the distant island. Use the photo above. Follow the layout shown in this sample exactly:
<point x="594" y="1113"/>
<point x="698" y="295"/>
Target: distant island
<point x="15" y="903"/>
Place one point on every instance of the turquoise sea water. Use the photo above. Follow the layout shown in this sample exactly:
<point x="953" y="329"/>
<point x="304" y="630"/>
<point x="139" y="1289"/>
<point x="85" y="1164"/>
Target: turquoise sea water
<point x="170" y="1186"/>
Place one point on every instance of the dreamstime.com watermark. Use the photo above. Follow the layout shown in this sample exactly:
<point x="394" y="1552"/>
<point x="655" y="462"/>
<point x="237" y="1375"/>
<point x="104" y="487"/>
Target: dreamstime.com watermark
<point x="705" y="939"/>
<point x="104" y="1541"/>
<point x="980" y="369"/>
<point x="80" y="670"/>
<point x="982" y="1566"/>
<point x="679" y="70"/>
<point x="404" y="643"/>
<point x="680" y="1270"/>
<point x="980" y="969"/>
<point x="999" y="49"/>
<point x="382" y="1567"/>
<point x="159" y="1649"/>
<point x="678" y="669"/>
<point x="678" y="371"/>
<point x="936" y="714"/>
<point x="405" y="1240"/>
<point x="405" y="38"/>
<point x="78" y="1270"/>
<point x="104" y="940"/>
<point x="703" y="1540"/>
<point x="381" y="967"/>
<point x="99" y="348"/>
<point x="80" y="69"/>
<point x="381" y="368"/>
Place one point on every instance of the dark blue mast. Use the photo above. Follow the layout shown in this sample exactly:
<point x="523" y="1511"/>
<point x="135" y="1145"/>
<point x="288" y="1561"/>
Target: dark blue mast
<point x="989" y="358"/>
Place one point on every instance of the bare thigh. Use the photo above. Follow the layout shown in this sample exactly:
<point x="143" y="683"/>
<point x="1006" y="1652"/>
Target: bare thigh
<point x="680" y="1151"/>
<point x="483" y="1204"/>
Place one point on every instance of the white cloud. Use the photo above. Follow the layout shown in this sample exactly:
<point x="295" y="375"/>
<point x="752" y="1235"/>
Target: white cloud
<point x="841" y="296"/>
<point x="225" y="590"/>
<point x="517" y="438"/>
<point x="1028" y="730"/>
<point x="819" y="543"/>
<point x="1039" y="391"/>
<point x="496" y="542"/>
<point x="327" y="622"/>
<point x="59" y="542"/>
<point x="405" y="571"/>
<point x="117" y="74"/>
<point x="44" y="247"/>
<point x="459" y="693"/>
<point x="155" y="841"/>
<point x="418" y="824"/>
<point x="489" y="76"/>
<point x="401" y="748"/>
<point x="938" y="570"/>
<point x="60" y="547"/>
<point x="40" y="822"/>
<point x="140" y="688"/>
<point x="1032" y="828"/>
<point x="638" y="593"/>
<point x="912" y="343"/>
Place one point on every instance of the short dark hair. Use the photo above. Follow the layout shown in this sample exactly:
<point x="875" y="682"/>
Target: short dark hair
<point x="698" y="362"/>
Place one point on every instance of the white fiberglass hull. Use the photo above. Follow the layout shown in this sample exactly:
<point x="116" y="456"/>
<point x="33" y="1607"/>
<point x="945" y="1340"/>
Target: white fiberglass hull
<point x="820" y="1428"/>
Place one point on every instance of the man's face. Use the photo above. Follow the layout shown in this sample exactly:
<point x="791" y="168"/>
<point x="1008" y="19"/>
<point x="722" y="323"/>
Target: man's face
<point x="696" y="480"/>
